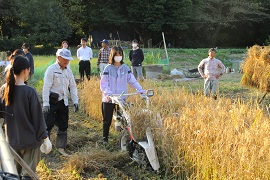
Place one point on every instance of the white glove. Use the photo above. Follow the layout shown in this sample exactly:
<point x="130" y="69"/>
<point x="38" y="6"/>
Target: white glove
<point x="46" y="146"/>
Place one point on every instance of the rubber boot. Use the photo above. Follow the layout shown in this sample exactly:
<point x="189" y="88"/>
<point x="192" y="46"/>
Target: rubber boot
<point x="61" y="142"/>
<point x="61" y="139"/>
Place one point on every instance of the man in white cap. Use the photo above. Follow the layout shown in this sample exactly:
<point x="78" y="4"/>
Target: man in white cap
<point x="58" y="78"/>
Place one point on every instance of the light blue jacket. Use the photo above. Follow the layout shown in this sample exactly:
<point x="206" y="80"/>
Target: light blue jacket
<point x="115" y="79"/>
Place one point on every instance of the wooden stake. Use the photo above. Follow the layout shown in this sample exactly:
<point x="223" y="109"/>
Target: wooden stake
<point x="262" y="98"/>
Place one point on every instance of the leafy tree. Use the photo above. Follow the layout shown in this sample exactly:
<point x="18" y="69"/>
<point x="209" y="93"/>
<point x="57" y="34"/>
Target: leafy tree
<point x="218" y="14"/>
<point x="6" y="17"/>
<point x="42" y="22"/>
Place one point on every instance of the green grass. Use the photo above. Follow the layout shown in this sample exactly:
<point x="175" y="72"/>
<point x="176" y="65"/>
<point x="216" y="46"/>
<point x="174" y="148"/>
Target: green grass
<point x="43" y="62"/>
<point x="179" y="58"/>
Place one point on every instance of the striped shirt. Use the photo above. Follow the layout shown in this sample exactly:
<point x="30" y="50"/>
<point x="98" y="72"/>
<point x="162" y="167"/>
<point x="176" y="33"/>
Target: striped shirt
<point x="103" y="56"/>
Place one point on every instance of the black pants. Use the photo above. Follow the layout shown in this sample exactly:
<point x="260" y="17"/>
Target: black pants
<point x="107" y="113"/>
<point x="57" y="116"/>
<point x="85" y="66"/>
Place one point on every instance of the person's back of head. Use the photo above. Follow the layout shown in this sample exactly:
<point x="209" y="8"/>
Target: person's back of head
<point x="20" y="63"/>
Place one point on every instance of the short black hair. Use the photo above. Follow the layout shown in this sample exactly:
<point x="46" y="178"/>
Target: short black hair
<point x="135" y="41"/>
<point x="8" y="53"/>
<point x="212" y="49"/>
<point x="25" y="45"/>
<point x="84" y="39"/>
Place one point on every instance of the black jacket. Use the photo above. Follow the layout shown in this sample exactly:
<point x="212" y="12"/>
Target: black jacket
<point x="25" y="124"/>
<point x="136" y="57"/>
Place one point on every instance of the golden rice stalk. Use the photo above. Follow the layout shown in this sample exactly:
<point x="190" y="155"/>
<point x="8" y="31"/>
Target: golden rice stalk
<point x="91" y="97"/>
<point x="256" y="68"/>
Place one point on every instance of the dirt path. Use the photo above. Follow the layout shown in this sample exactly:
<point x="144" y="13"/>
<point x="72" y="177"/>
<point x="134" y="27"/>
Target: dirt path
<point x="89" y="158"/>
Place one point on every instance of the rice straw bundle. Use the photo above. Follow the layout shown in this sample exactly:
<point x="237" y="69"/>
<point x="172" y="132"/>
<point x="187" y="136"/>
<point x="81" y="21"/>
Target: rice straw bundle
<point x="256" y="68"/>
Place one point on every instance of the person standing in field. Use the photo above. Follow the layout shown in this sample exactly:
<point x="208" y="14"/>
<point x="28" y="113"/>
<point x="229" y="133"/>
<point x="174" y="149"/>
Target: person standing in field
<point x="84" y="54"/>
<point x="25" y="126"/>
<point x="103" y="56"/>
<point x="114" y="80"/>
<point x="58" y="78"/>
<point x="25" y="48"/>
<point x="211" y="73"/>
<point x="136" y="57"/>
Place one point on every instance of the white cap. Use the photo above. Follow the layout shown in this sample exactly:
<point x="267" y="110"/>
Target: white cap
<point x="64" y="53"/>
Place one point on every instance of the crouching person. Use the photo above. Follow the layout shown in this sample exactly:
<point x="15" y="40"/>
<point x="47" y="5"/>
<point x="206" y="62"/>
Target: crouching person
<point x="25" y="126"/>
<point x="58" y="78"/>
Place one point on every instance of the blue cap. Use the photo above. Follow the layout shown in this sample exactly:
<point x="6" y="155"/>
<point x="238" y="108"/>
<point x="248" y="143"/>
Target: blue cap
<point x="105" y="41"/>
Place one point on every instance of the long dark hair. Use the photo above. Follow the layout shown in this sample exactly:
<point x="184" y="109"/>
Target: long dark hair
<point x="116" y="50"/>
<point x="19" y="64"/>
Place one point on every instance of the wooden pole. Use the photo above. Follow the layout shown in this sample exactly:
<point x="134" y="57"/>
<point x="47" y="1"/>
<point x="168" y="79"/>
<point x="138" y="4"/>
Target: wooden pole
<point x="31" y="173"/>
<point x="165" y="45"/>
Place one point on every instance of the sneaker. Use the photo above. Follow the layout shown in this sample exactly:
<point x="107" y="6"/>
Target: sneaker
<point x="62" y="151"/>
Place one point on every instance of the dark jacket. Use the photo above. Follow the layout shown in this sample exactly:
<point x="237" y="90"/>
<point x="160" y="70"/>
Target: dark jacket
<point x="30" y="57"/>
<point x="136" y="57"/>
<point x="25" y="124"/>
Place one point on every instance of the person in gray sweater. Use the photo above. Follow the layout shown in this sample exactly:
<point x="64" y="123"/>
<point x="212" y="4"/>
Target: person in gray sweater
<point x="25" y="126"/>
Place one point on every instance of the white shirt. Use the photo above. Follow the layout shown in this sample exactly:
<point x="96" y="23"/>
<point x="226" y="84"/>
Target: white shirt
<point x="57" y="80"/>
<point x="211" y="68"/>
<point x="84" y="53"/>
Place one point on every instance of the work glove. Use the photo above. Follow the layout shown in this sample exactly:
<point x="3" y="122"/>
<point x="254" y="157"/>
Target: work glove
<point x="76" y="107"/>
<point x="46" y="109"/>
<point x="46" y="146"/>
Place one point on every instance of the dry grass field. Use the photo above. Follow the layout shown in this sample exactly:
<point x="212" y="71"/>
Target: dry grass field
<point x="196" y="137"/>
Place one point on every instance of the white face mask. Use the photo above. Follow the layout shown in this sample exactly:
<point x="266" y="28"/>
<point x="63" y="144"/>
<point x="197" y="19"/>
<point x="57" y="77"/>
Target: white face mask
<point x="117" y="58"/>
<point x="134" y="45"/>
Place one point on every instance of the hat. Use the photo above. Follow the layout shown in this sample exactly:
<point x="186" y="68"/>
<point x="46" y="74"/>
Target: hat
<point x="135" y="41"/>
<point x="105" y="41"/>
<point x="64" y="53"/>
<point x="25" y="46"/>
